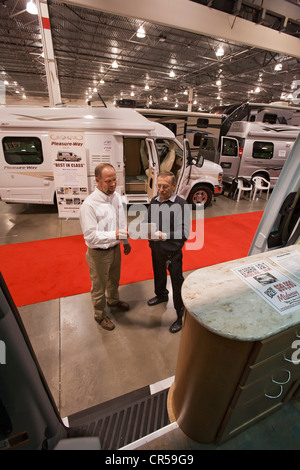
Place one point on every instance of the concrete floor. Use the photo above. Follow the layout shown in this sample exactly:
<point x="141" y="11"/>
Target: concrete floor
<point x="85" y="365"/>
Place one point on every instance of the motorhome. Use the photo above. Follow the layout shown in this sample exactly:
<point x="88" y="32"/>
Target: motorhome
<point x="31" y="139"/>
<point x="201" y="129"/>
<point x="256" y="149"/>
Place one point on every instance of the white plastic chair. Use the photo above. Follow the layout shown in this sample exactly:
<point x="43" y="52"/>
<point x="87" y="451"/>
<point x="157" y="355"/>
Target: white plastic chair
<point x="260" y="184"/>
<point x="241" y="188"/>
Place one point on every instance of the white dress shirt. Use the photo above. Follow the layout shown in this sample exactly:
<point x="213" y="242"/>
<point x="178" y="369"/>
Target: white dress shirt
<point x="100" y="217"/>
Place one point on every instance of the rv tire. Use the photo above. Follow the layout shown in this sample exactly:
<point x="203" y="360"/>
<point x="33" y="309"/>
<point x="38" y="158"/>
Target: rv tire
<point x="200" y="194"/>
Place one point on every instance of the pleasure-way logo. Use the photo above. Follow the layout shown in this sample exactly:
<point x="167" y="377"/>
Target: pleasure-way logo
<point x="2" y="352"/>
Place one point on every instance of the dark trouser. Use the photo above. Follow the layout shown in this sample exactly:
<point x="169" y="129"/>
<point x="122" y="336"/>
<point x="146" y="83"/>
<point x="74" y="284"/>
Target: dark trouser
<point x="159" y="262"/>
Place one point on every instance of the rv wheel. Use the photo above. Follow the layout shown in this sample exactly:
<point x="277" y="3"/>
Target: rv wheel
<point x="200" y="194"/>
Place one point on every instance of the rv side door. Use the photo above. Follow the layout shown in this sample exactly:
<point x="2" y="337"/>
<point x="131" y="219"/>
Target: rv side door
<point x="229" y="157"/>
<point x="153" y="168"/>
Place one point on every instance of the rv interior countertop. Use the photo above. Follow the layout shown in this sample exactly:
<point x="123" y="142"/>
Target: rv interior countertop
<point x="224" y="303"/>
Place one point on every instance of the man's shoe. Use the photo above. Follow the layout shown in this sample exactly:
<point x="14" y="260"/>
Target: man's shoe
<point x="157" y="300"/>
<point x="177" y="325"/>
<point x="120" y="305"/>
<point x="106" y="323"/>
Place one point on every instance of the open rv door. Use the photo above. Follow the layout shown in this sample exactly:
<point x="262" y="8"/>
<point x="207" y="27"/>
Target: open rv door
<point x="280" y="223"/>
<point x="29" y="419"/>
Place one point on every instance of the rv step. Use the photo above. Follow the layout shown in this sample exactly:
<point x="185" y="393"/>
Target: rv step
<point x="123" y="420"/>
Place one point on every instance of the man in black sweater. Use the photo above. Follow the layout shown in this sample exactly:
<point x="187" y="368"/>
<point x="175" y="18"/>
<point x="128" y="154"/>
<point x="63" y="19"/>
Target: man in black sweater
<point x="171" y="214"/>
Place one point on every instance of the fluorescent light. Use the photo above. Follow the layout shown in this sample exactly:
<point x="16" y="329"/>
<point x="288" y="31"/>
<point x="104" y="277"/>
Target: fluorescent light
<point x="31" y="8"/>
<point x="220" y="52"/>
<point x="141" y="32"/>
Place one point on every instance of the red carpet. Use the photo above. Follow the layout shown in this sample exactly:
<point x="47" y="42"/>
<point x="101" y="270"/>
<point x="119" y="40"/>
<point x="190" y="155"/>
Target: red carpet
<point x="49" y="269"/>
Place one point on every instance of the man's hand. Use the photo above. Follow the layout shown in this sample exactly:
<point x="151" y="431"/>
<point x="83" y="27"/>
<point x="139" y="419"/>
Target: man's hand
<point x="121" y="234"/>
<point x="127" y="248"/>
<point x="159" y="236"/>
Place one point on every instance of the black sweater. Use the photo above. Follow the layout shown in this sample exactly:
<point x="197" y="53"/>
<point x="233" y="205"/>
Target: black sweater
<point x="172" y="218"/>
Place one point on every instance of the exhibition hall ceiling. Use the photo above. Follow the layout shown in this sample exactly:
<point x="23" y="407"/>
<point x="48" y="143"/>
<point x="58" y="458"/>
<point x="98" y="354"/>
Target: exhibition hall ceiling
<point x="101" y="52"/>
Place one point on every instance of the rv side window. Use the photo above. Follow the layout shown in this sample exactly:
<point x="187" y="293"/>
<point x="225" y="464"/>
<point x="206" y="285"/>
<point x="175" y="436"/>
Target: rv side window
<point x="22" y="150"/>
<point x="230" y="148"/>
<point x="201" y="122"/>
<point x="172" y="126"/>
<point x="270" y="118"/>
<point x="207" y="143"/>
<point x="263" y="150"/>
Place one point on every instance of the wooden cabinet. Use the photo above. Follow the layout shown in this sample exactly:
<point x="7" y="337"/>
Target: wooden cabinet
<point x="223" y="385"/>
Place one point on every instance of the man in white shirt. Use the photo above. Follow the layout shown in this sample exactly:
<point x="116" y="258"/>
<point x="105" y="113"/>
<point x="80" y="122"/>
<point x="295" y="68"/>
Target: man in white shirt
<point x="103" y="224"/>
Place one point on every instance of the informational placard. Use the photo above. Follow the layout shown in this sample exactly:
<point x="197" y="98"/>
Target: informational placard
<point x="281" y="292"/>
<point x="70" y="171"/>
<point x="289" y="261"/>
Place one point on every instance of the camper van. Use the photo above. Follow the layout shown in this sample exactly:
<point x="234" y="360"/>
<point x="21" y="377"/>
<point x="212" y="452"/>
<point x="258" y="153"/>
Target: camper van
<point x="32" y="139"/>
<point x="256" y="149"/>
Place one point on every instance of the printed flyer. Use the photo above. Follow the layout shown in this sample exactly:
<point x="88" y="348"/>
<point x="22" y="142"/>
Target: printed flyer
<point x="281" y="292"/>
<point x="289" y="261"/>
<point x="70" y="171"/>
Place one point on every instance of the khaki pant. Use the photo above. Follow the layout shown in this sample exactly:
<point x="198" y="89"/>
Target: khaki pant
<point x="105" y="268"/>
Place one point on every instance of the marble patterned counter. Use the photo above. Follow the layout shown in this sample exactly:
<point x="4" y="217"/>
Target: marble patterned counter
<point x="224" y="304"/>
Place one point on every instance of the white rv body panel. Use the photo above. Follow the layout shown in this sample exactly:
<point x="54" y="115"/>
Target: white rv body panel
<point x="121" y="137"/>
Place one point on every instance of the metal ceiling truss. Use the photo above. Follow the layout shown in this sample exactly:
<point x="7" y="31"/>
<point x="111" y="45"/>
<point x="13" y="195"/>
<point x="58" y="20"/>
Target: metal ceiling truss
<point x="86" y="42"/>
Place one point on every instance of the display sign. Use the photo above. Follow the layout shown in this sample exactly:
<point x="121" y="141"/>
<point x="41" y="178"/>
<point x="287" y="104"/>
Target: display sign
<point x="70" y="171"/>
<point x="281" y="292"/>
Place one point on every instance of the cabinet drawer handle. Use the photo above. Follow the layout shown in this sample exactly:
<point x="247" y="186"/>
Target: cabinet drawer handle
<point x="283" y="383"/>
<point x="288" y="360"/>
<point x="277" y="396"/>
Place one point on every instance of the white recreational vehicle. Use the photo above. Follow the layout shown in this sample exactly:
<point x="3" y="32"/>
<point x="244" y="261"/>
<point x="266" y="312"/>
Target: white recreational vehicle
<point x="135" y="146"/>
<point x="256" y="149"/>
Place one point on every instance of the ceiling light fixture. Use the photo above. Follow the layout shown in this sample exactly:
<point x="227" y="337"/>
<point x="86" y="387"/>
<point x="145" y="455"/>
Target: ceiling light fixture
<point x="141" y="32"/>
<point x="147" y="86"/>
<point x="115" y="64"/>
<point x="172" y="74"/>
<point x="220" y="52"/>
<point x="257" y="89"/>
<point x="278" y="67"/>
<point x="31" y="8"/>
